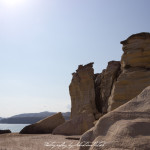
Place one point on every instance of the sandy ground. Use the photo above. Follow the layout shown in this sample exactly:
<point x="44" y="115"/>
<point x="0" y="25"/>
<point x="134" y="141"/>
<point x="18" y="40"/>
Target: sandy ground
<point x="15" y="141"/>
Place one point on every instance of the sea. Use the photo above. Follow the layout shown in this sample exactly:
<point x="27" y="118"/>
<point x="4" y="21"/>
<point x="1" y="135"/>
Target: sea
<point x="13" y="127"/>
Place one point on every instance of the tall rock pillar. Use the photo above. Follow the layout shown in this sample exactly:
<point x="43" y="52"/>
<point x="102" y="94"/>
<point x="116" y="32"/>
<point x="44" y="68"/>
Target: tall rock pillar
<point x="82" y="91"/>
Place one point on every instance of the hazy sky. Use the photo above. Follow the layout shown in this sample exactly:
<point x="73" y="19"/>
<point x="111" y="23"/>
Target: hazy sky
<point x="43" y="41"/>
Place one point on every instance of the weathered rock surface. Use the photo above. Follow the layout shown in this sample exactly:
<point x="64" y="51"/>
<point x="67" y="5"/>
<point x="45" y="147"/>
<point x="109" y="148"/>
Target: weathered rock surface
<point x="90" y="92"/>
<point x="135" y="70"/>
<point x="82" y="91"/>
<point x="76" y="126"/>
<point x="98" y="94"/>
<point x="103" y="85"/>
<point x="136" y="51"/>
<point x="46" y="125"/>
<point x="127" y="127"/>
<point x="129" y="84"/>
<point x="4" y="131"/>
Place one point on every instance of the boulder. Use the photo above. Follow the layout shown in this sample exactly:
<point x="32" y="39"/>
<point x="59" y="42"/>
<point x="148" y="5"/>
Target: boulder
<point x="46" y="125"/>
<point x="82" y="91"/>
<point x="127" y="127"/>
<point x="76" y="126"/>
<point x="4" y="131"/>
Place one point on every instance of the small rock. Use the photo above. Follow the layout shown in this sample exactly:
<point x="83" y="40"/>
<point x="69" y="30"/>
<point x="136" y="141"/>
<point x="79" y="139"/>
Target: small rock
<point x="4" y="131"/>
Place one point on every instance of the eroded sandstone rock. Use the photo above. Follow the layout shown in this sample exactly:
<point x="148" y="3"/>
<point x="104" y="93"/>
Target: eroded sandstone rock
<point x="129" y="84"/>
<point x="117" y="84"/>
<point x="46" y="125"/>
<point x="127" y="127"/>
<point x="76" y="126"/>
<point x="136" y="51"/>
<point x="82" y="91"/>
<point x="104" y="83"/>
<point x="135" y="70"/>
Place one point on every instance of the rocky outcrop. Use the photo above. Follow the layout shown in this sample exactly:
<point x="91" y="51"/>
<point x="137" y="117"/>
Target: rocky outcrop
<point x="103" y="85"/>
<point x="89" y="97"/>
<point x="97" y="94"/>
<point x="4" y="131"/>
<point x="90" y="92"/>
<point x="83" y="108"/>
<point x="46" y="125"/>
<point x="129" y="84"/>
<point x="76" y="126"/>
<point x="136" y="51"/>
<point x="127" y="127"/>
<point x="82" y="91"/>
<point x="135" y="70"/>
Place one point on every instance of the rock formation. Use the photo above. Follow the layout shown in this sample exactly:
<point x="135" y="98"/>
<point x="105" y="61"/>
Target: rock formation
<point x="83" y="110"/>
<point x="136" y="51"/>
<point x="135" y="70"/>
<point x="82" y="91"/>
<point x="127" y="127"/>
<point x="90" y="92"/>
<point x="94" y="95"/>
<point x="76" y="126"/>
<point x="104" y="83"/>
<point x="97" y="94"/>
<point x="46" y="125"/>
<point x="89" y="97"/>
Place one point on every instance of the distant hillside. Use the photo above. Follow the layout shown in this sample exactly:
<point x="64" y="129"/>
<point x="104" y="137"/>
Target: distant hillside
<point x="1" y="118"/>
<point x="41" y="114"/>
<point x="30" y="118"/>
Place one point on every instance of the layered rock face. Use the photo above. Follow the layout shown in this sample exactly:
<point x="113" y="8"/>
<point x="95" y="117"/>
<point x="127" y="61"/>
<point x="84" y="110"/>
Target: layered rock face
<point x="135" y="70"/>
<point x="90" y="92"/>
<point x="82" y="91"/>
<point x="96" y="94"/>
<point x="83" y="110"/>
<point x="136" y="51"/>
<point x="46" y="125"/>
<point x="89" y="97"/>
<point x="127" y="127"/>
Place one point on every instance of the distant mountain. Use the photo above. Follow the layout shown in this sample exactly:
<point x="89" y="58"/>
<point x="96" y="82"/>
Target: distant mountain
<point x="1" y="118"/>
<point x="41" y="114"/>
<point x="30" y="118"/>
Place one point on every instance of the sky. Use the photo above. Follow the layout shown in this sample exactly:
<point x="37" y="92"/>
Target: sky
<point x="42" y="42"/>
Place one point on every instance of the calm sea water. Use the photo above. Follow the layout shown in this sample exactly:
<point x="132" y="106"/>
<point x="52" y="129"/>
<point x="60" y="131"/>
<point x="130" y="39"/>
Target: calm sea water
<point x="13" y="127"/>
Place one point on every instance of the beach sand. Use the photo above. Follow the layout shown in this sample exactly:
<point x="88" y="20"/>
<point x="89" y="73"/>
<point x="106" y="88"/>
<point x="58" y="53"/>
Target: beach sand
<point x="16" y="141"/>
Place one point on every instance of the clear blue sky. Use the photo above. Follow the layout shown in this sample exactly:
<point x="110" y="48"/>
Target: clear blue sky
<point x="43" y="41"/>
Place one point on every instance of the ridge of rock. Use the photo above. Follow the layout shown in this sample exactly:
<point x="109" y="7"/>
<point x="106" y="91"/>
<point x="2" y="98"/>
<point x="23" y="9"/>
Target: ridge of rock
<point x="127" y="127"/>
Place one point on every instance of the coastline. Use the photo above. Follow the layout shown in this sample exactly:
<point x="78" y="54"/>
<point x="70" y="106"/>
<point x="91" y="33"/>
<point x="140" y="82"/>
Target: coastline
<point x="12" y="127"/>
